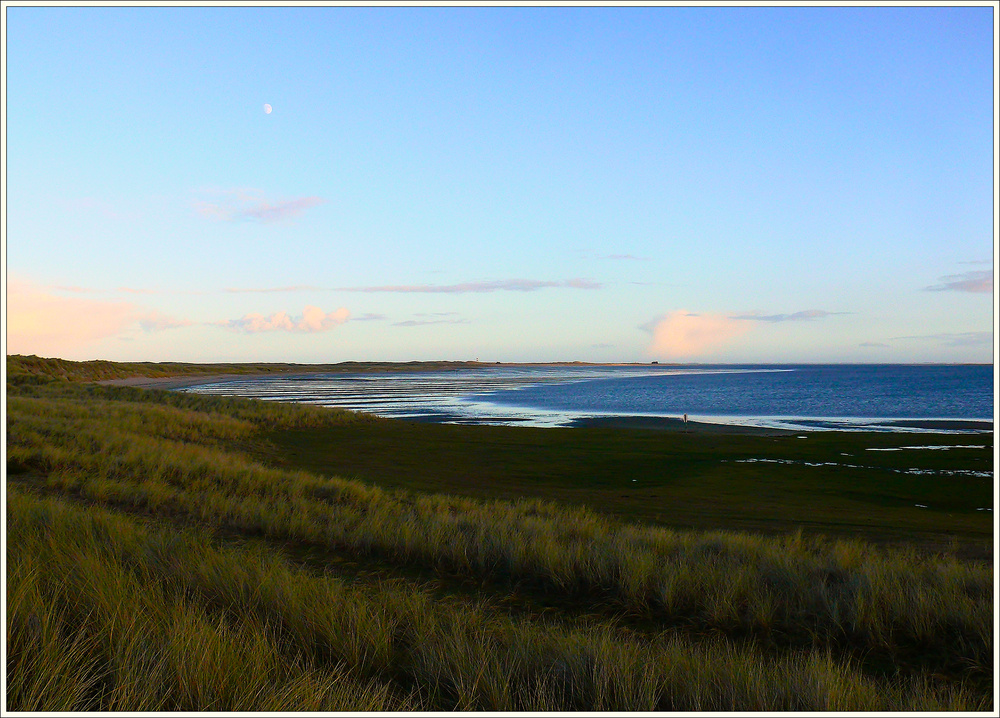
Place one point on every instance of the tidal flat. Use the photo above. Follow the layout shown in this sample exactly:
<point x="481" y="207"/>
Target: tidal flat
<point x="169" y="551"/>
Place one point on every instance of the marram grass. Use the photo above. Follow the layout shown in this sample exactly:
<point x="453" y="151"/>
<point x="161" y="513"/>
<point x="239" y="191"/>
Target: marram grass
<point x="111" y="607"/>
<point x="106" y="614"/>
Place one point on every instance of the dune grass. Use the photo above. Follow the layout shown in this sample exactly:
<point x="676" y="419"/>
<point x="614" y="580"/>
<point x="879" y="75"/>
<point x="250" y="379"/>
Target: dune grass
<point x="106" y="614"/>
<point x="23" y="368"/>
<point x="149" y="569"/>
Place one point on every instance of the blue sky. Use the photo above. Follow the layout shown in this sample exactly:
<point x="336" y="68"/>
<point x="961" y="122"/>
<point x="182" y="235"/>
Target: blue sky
<point x="507" y="184"/>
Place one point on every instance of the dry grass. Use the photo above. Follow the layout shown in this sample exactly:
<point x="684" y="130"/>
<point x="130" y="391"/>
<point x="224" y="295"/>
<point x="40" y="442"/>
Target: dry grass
<point x="109" y="615"/>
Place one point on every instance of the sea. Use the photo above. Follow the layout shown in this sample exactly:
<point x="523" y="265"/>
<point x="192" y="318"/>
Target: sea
<point x="869" y="397"/>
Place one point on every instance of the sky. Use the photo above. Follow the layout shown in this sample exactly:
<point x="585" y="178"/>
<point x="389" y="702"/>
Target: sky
<point x="601" y="184"/>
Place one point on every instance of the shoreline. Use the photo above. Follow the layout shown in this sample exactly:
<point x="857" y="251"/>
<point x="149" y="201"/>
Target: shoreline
<point x="666" y="423"/>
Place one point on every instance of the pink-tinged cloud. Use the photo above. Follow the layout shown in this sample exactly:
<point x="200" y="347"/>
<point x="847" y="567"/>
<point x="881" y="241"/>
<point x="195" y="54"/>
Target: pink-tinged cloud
<point x="39" y="322"/>
<point x="242" y="204"/>
<point x="979" y="282"/>
<point x="313" y="319"/>
<point x="683" y="334"/>
<point x="46" y="324"/>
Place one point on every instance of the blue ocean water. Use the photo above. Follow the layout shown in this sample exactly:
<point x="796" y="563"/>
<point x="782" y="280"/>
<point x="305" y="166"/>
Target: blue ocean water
<point x="789" y="396"/>
<point x="802" y="391"/>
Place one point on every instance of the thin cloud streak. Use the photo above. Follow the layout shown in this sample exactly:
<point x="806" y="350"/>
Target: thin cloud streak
<point x="500" y="285"/>
<point x="282" y="210"/>
<point x="243" y="204"/>
<point x="424" y="322"/>
<point x="978" y="282"/>
<point x="804" y="316"/>
<point x="272" y="290"/>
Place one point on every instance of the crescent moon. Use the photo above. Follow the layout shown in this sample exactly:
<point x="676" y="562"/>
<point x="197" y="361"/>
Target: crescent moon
<point x="267" y="109"/>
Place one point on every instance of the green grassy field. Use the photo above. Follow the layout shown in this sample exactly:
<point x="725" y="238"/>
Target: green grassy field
<point x="688" y="480"/>
<point x="171" y="551"/>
